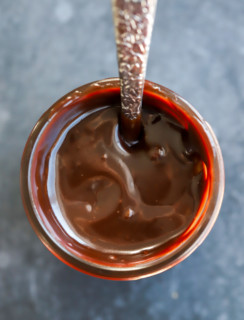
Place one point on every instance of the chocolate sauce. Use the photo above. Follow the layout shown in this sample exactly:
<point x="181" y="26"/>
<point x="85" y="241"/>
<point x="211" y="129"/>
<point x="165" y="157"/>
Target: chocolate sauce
<point x="116" y="201"/>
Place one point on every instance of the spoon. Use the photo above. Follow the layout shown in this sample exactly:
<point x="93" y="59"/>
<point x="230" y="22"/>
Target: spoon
<point x="133" y="21"/>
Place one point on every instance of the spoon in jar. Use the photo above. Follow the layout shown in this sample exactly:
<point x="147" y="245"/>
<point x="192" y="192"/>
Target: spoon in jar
<point x="133" y="21"/>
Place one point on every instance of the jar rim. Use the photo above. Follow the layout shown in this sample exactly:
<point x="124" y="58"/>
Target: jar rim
<point x="163" y="262"/>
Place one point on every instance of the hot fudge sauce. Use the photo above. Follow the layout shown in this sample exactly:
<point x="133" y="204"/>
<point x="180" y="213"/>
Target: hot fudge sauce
<point x="130" y="199"/>
<point x="111" y="202"/>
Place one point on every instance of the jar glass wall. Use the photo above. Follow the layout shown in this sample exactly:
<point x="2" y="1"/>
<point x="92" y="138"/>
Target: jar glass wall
<point x="48" y="228"/>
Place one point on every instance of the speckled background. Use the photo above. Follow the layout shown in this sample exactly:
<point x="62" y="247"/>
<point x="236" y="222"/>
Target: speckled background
<point x="49" y="47"/>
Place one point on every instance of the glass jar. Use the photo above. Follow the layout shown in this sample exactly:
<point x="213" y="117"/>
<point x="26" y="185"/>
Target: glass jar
<point x="46" y="225"/>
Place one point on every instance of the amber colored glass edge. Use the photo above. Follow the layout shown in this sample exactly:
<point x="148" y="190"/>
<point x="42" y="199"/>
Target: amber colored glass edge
<point x="155" y="265"/>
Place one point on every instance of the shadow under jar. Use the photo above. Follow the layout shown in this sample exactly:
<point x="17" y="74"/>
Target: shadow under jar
<point x="116" y="211"/>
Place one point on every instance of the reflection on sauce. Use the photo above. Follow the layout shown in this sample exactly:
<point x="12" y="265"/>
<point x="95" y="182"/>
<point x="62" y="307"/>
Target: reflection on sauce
<point x="110" y="198"/>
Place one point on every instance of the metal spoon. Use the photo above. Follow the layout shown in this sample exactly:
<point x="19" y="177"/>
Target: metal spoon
<point x="133" y="20"/>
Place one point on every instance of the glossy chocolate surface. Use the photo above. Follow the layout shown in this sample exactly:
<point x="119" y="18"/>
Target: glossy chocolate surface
<point x="117" y="202"/>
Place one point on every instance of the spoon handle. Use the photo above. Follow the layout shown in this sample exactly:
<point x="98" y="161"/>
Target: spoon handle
<point x="133" y="20"/>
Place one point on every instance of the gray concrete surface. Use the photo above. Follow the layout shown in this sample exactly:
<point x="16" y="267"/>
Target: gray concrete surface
<point x="49" y="47"/>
